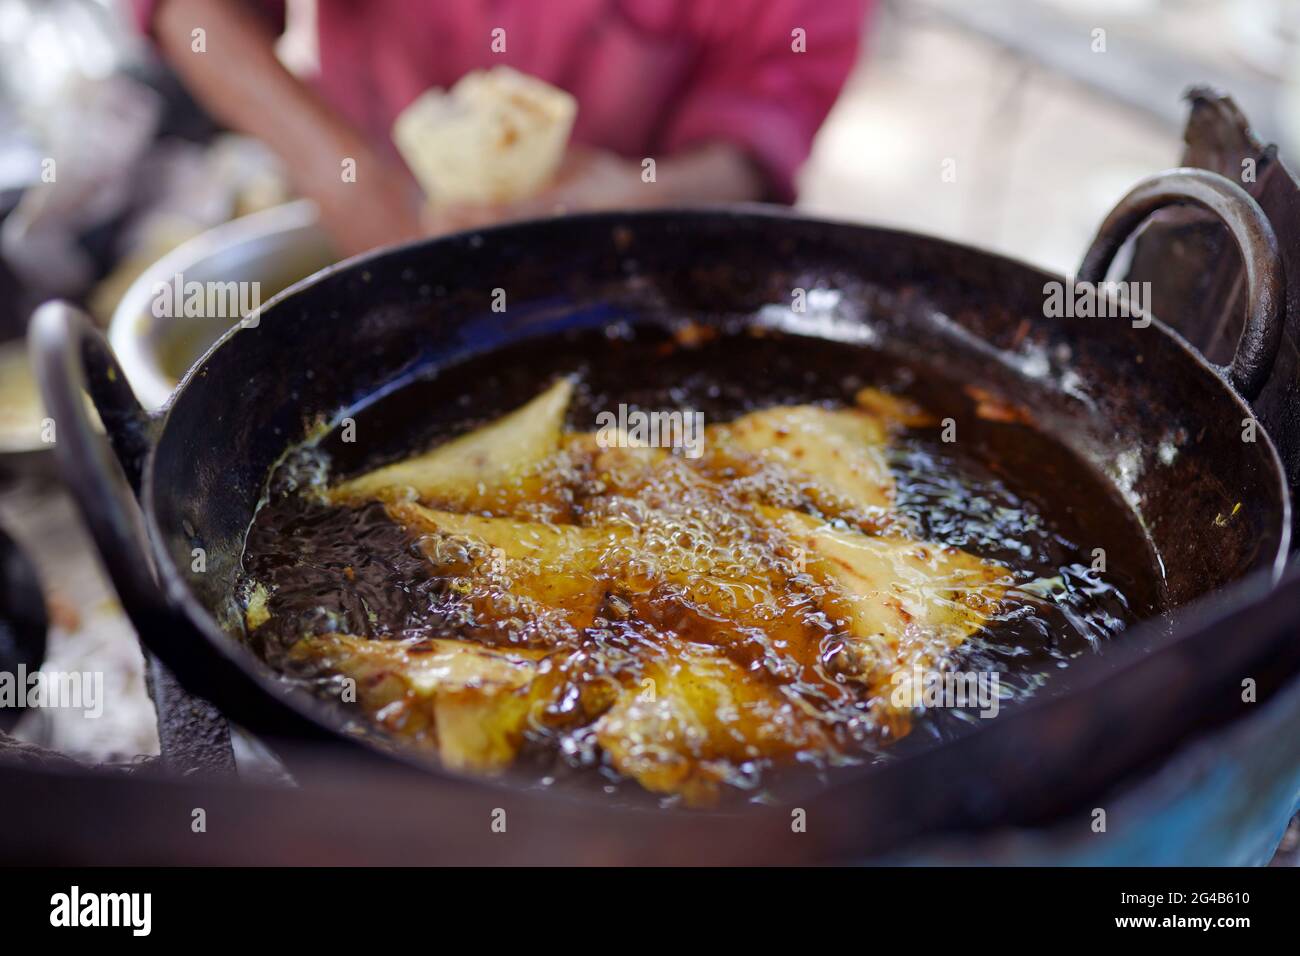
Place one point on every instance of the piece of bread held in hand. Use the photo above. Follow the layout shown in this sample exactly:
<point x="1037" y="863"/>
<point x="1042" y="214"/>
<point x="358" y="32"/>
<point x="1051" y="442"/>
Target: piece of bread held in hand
<point x="496" y="137"/>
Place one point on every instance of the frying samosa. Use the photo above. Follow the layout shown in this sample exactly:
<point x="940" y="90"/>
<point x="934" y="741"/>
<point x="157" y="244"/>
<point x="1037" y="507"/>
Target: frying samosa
<point x="469" y="701"/>
<point x="695" y="618"/>
<point x="909" y="604"/>
<point x="697" y="718"/>
<point x="466" y="470"/>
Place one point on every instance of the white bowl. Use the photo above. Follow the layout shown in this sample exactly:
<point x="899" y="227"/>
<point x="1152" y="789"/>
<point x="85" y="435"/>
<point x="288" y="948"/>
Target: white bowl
<point x="274" y="248"/>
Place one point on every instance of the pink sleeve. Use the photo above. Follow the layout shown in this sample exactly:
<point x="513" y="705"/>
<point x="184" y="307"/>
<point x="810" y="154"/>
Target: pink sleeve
<point x="754" y="89"/>
<point x="145" y="10"/>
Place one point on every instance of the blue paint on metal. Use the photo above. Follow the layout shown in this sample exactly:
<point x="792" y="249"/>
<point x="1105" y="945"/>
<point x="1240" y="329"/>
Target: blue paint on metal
<point x="1224" y="799"/>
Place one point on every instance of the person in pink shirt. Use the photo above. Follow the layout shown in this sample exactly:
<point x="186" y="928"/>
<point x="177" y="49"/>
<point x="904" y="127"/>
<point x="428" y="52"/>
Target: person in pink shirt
<point x="725" y="95"/>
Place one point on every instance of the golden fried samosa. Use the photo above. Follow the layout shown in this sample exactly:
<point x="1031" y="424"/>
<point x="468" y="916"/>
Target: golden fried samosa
<point x="909" y="604"/>
<point x="696" y="718"/>
<point x="469" y="701"/>
<point x="833" y="460"/>
<point x="467" y="470"/>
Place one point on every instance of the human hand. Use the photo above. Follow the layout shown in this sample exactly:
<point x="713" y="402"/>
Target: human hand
<point x="374" y="211"/>
<point x="588" y="179"/>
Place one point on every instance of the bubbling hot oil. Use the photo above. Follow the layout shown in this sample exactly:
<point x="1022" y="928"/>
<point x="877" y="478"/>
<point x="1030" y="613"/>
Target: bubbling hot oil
<point x="354" y="571"/>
